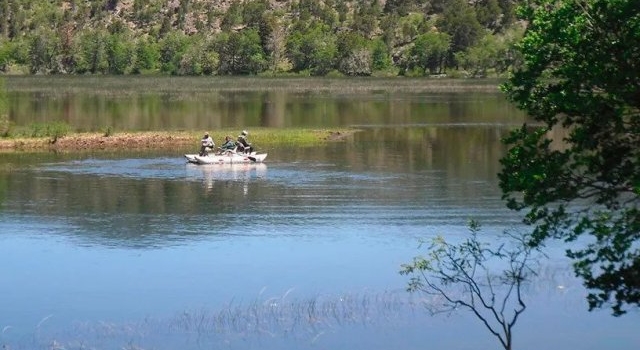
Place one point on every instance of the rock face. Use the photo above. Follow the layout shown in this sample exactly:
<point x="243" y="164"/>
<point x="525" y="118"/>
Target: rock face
<point x="191" y="17"/>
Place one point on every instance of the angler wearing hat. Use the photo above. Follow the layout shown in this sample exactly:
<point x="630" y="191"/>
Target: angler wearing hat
<point x="207" y="144"/>
<point x="243" y="144"/>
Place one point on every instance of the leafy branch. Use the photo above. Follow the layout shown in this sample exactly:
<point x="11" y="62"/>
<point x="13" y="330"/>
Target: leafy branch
<point x="462" y="276"/>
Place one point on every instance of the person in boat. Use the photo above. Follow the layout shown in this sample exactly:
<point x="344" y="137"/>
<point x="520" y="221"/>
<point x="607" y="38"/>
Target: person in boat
<point x="228" y="145"/>
<point x="243" y="144"/>
<point x="207" y="144"/>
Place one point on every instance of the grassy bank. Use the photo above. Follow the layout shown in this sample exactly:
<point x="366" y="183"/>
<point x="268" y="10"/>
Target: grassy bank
<point x="262" y="137"/>
<point x="123" y="85"/>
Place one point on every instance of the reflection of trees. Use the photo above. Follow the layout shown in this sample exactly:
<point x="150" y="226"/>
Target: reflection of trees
<point x="461" y="160"/>
<point x="273" y="108"/>
<point x="132" y="211"/>
<point x="3" y="188"/>
<point x="465" y="152"/>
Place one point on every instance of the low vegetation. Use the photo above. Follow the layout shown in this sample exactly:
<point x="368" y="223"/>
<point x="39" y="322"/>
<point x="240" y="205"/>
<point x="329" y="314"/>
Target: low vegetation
<point x="235" y="325"/>
<point x="51" y="137"/>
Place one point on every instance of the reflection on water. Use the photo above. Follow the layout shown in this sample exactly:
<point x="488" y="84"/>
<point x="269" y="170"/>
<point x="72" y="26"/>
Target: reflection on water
<point x="131" y="250"/>
<point x="180" y="110"/>
<point x="412" y="178"/>
<point x="210" y="173"/>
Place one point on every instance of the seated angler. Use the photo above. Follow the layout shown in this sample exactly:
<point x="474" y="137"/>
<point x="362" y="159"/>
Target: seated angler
<point x="243" y="144"/>
<point x="228" y="145"/>
<point x="207" y="144"/>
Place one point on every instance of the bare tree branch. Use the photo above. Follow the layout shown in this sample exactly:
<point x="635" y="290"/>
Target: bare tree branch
<point x="464" y="275"/>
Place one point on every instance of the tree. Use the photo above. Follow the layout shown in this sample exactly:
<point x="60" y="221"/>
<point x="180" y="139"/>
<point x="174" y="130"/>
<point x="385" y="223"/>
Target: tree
<point x="146" y="56"/>
<point x="380" y="57"/>
<point x="141" y="12"/>
<point x="399" y="7"/>
<point x="92" y="52"/>
<point x="487" y="54"/>
<point x="578" y="175"/>
<point x="488" y="13"/>
<point x="343" y="9"/>
<point x="120" y="52"/>
<point x="253" y="12"/>
<point x="460" y="276"/>
<point x="4" y="18"/>
<point x="429" y="51"/>
<point x="241" y="53"/>
<point x="199" y="58"/>
<point x="507" y="7"/>
<point x="172" y="48"/>
<point x="232" y="17"/>
<point x="312" y="48"/>
<point x="43" y="52"/>
<point x="182" y="11"/>
<point x="460" y="22"/>
<point x="365" y="18"/>
<point x="354" y="54"/>
<point x="389" y="27"/>
<point x="275" y="47"/>
<point x="16" y="19"/>
<point x="67" y="48"/>
<point x="6" y="51"/>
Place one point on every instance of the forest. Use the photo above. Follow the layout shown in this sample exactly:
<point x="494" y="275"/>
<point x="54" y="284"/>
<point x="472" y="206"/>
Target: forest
<point x="453" y="38"/>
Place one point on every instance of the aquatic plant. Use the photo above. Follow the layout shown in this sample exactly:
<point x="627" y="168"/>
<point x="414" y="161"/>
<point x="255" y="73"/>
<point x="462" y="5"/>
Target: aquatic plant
<point x="277" y="318"/>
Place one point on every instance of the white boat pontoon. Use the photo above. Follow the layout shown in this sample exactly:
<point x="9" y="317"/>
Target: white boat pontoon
<point x="226" y="157"/>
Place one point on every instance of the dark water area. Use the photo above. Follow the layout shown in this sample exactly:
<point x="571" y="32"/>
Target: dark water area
<point x="140" y="250"/>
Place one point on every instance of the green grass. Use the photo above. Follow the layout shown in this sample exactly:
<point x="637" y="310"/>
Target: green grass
<point x="302" y="137"/>
<point x="39" y="136"/>
<point x="52" y="130"/>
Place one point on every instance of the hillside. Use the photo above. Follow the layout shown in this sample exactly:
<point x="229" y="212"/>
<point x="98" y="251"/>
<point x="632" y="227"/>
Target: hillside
<point x="306" y="37"/>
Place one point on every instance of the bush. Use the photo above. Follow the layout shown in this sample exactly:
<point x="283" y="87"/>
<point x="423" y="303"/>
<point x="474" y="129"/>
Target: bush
<point x="108" y="131"/>
<point x="5" y="125"/>
<point x="53" y="130"/>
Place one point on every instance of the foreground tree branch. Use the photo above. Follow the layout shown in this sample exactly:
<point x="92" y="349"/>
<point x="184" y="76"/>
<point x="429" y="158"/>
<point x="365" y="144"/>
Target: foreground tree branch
<point x="463" y="275"/>
<point x="579" y="175"/>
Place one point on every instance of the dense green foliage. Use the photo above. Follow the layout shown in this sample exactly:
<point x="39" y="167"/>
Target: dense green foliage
<point x="5" y="125"/>
<point x="206" y="37"/>
<point x="578" y="176"/>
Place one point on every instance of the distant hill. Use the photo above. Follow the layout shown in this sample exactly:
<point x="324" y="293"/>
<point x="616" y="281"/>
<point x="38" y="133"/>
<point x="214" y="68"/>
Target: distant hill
<point x="306" y="37"/>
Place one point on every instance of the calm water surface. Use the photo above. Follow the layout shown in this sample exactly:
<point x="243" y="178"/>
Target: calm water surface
<point x="125" y="103"/>
<point x="303" y="251"/>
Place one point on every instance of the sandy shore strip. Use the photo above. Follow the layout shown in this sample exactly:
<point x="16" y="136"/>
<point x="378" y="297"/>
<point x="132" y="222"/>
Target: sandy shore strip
<point x="127" y="140"/>
<point x="97" y="141"/>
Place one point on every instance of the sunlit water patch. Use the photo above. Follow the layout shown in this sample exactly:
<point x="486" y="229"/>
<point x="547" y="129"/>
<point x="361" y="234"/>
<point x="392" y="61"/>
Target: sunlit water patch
<point x="283" y="197"/>
<point x="143" y="251"/>
<point x="154" y="252"/>
<point x="139" y="168"/>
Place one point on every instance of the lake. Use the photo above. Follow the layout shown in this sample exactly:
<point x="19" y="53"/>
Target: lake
<point x="140" y="250"/>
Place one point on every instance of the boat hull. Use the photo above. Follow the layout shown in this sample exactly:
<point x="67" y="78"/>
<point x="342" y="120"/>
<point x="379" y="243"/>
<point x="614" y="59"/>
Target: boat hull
<point x="228" y="158"/>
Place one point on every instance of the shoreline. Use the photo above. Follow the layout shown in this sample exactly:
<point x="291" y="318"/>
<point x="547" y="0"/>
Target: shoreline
<point x="126" y="85"/>
<point x="160" y="140"/>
